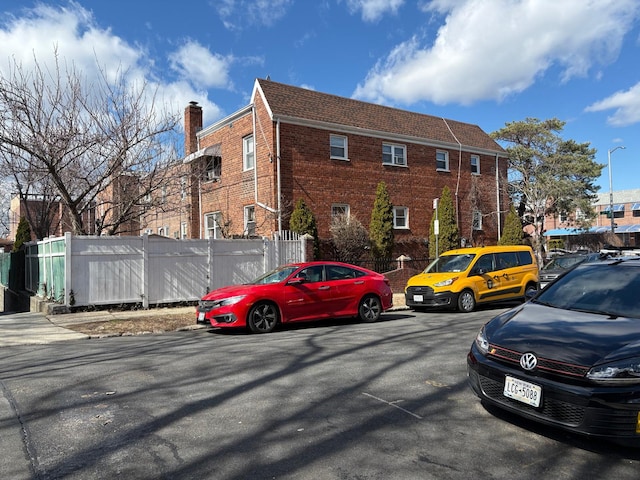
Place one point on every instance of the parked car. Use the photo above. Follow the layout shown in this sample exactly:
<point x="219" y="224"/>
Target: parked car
<point x="560" y="264"/>
<point x="298" y="292"/>
<point x="570" y="356"/>
<point x="464" y="277"/>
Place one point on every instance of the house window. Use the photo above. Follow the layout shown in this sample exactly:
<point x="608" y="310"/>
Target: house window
<point x="563" y="217"/>
<point x="183" y="187"/>
<point x="580" y="215"/>
<point x="212" y="224"/>
<point x="442" y="160"/>
<point x="214" y="168"/>
<point x="475" y="164"/>
<point x="400" y="217"/>
<point x="183" y="230"/>
<point x="163" y="231"/>
<point x="250" y="220"/>
<point x="248" y="153"/>
<point x="477" y="220"/>
<point x="339" y="210"/>
<point x="339" y="147"/>
<point x="148" y="231"/>
<point x="163" y="195"/>
<point x="394" y="154"/>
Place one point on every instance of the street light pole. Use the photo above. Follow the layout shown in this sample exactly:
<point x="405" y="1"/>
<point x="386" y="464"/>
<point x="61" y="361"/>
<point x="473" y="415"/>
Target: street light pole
<point x="613" y="223"/>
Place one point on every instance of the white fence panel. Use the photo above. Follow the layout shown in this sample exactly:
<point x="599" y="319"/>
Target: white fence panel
<point x="106" y="270"/>
<point x="232" y="262"/>
<point x="178" y="270"/>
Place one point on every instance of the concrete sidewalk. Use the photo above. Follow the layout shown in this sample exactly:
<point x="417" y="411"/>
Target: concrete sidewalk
<point x="32" y="329"/>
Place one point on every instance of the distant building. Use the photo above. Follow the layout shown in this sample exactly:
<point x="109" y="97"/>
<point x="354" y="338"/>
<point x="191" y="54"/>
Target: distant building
<point x="626" y="217"/>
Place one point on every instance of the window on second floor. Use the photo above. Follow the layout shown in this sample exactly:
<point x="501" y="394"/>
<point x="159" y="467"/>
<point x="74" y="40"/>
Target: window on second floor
<point x="339" y="210"/>
<point x="400" y="217"/>
<point x="394" y="154"/>
<point x="183" y="187"/>
<point x="338" y="144"/>
<point x="564" y="217"/>
<point x="477" y="220"/>
<point x="442" y="160"/>
<point x="250" y="220"/>
<point x="183" y="230"/>
<point x="475" y="164"/>
<point x="248" y="153"/>
<point x="214" y="168"/>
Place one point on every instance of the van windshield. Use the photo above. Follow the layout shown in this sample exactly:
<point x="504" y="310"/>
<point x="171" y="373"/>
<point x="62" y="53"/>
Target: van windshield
<point x="450" y="263"/>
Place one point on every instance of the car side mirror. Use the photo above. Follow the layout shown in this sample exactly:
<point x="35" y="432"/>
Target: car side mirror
<point x="296" y="281"/>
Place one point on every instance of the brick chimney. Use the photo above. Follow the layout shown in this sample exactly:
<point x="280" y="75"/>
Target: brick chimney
<point x="192" y="124"/>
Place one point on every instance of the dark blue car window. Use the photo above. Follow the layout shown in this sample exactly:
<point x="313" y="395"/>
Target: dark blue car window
<point x="610" y="289"/>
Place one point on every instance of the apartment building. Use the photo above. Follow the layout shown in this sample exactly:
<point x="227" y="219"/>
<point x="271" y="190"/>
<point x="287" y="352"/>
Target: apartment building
<point x="242" y="175"/>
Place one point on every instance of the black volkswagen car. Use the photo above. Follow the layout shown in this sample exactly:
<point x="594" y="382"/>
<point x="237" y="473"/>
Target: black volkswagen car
<point x="570" y="356"/>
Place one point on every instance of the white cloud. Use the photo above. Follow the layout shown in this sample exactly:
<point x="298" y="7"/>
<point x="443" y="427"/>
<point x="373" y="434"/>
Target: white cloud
<point x="254" y="12"/>
<point x="374" y="10"/>
<point x="626" y="106"/>
<point x="493" y="49"/>
<point x="80" y="42"/>
<point x="195" y="62"/>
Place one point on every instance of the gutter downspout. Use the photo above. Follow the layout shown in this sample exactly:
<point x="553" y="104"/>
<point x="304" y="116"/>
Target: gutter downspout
<point x="498" y="209"/>
<point x="279" y="200"/>
<point x="459" y="171"/>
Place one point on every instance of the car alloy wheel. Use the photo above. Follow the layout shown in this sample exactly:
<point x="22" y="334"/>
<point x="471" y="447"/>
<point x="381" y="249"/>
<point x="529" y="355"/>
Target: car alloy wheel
<point x="263" y="318"/>
<point x="370" y="309"/>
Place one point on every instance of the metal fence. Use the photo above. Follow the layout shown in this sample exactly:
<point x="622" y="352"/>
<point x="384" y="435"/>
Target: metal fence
<point x="148" y="270"/>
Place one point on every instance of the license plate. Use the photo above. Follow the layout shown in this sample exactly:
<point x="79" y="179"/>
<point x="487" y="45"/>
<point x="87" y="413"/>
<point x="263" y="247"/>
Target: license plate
<point x="201" y="316"/>
<point x="522" y="391"/>
<point x="418" y="298"/>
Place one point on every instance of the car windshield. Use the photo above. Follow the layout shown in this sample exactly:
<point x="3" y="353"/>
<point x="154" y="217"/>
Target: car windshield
<point x="450" y="263"/>
<point x="275" y="276"/>
<point x="610" y="289"/>
<point x="562" y="263"/>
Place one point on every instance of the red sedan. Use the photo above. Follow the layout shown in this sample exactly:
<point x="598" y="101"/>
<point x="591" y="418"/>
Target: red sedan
<point x="296" y="293"/>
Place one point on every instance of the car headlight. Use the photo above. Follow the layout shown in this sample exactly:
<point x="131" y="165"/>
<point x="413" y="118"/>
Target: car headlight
<point x="225" y="302"/>
<point x="481" y="342"/>
<point x="445" y="283"/>
<point x="621" y="372"/>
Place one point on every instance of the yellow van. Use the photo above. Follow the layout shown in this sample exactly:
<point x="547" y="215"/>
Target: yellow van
<point x="464" y="277"/>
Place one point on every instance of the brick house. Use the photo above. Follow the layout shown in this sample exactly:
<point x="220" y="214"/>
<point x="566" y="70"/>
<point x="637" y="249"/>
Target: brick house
<point x="243" y="174"/>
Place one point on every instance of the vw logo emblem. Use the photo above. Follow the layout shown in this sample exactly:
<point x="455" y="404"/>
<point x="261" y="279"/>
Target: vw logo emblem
<point x="528" y="361"/>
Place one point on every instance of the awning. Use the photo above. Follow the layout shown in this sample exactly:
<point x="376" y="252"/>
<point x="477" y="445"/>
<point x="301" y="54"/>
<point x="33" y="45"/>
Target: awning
<point x="212" y="151"/>
<point x="562" y="232"/>
<point x="619" y="207"/>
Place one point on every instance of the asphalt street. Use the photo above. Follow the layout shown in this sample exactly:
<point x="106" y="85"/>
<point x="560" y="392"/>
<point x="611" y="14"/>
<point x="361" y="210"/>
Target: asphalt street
<point x="330" y="400"/>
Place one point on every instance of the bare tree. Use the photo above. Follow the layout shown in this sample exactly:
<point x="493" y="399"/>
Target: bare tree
<point x="105" y="146"/>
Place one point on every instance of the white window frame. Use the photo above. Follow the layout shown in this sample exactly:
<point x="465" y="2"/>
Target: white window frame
<point x="183" y="230"/>
<point x="163" y="231"/>
<point x="340" y="209"/>
<point x="445" y="154"/>
<point x="248" y="153"/>
<point x="401" y="218"/>
<point x="212" y="228"/>
<point x="393" y="154"/>
<point x="475" y="164"/>
<point x="336" y="143"/>
<point x="476" y="221"/>
<point x="250" y="220"/>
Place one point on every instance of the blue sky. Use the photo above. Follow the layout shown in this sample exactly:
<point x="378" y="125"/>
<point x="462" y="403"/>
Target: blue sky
<point x="486" y="62"/>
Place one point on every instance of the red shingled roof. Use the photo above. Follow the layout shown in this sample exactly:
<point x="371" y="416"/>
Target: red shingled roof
<point x="291" y="102"/>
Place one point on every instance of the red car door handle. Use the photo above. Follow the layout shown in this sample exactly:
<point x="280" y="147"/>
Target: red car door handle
<point x="359" y="282"/>
<point x="324" y="287"/>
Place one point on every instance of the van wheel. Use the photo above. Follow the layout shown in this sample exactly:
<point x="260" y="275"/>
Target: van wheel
<point x="466" y="301"/>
